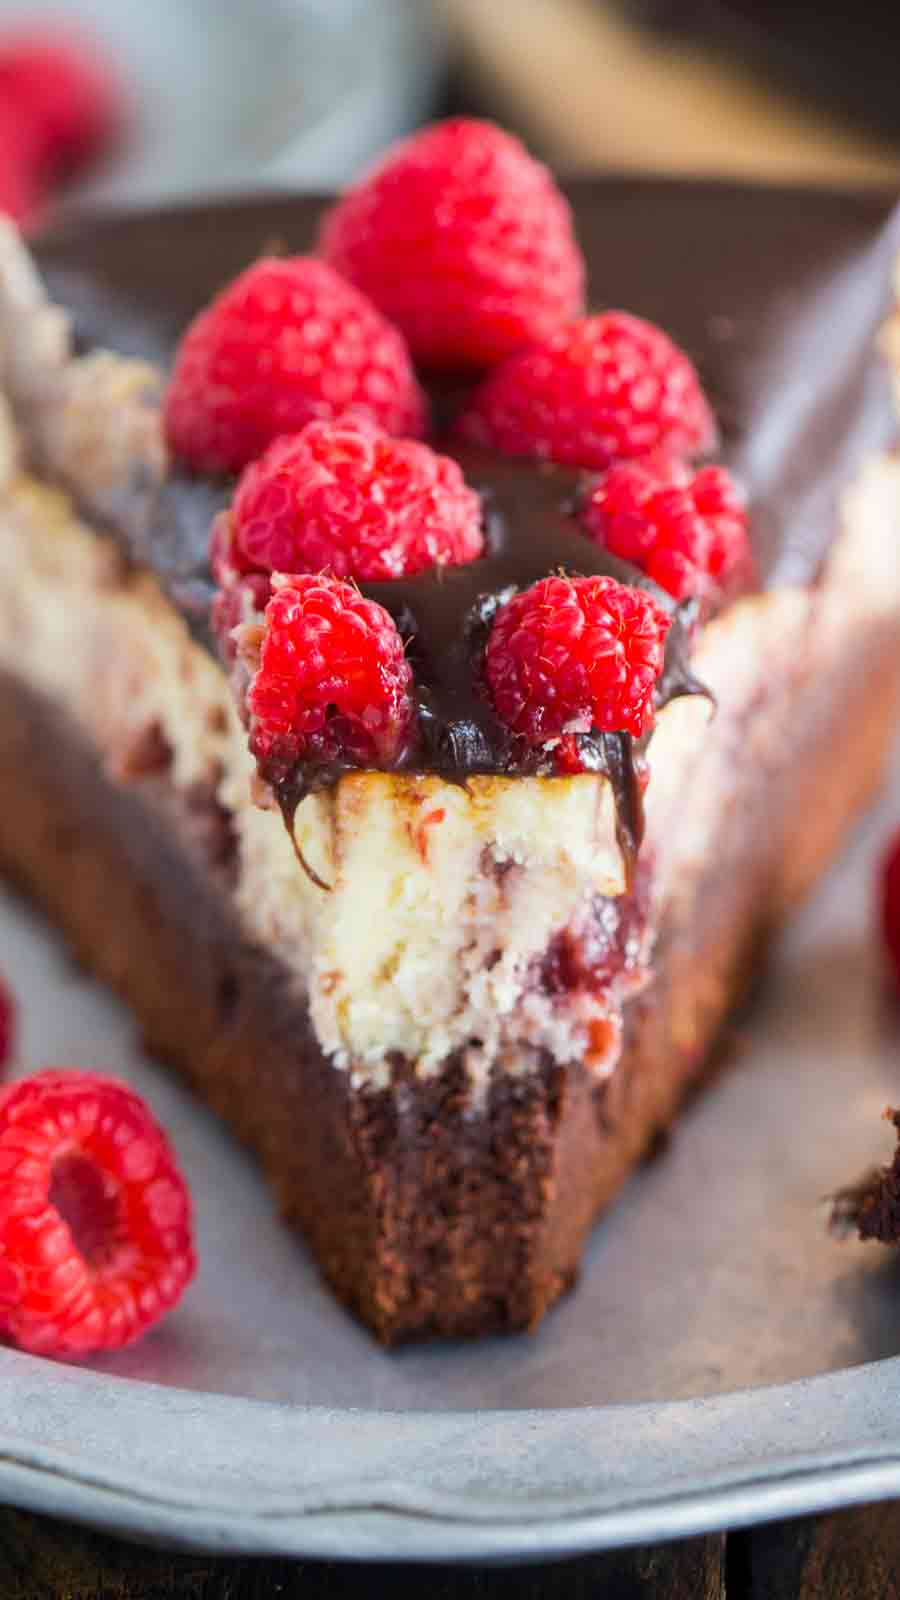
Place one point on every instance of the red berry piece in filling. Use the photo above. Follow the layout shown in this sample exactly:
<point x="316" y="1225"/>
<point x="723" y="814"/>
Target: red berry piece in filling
<point x="890" y="908"/>
<point x="332" y="683"/>
<point x="464" y="241"/>
<point x="286" y="342"/>
<point x="606" y="388"/>
<point x="95" y="1217"/>
<point x="345" y="498"/>
<point x="575" y="655"/>
<point x="686" y="530"/>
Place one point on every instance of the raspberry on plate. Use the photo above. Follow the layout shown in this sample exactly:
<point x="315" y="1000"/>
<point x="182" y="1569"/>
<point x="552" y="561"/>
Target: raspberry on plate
<point x="64" y="94"/>
<point x="345" y="498"/>
<point x="285" y="342"/>
<point x="464" y="241"/>
<point x="890" y="908"/>
<point x="686" y="530"/>
<point x="575" y="655"/>
<point x="95" y="1217"/>
<point x="606" y="388"/>
<point x="331" y="683"/>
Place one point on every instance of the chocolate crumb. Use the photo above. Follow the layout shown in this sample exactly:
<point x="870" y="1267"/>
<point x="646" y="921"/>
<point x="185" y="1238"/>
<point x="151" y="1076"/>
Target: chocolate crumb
<point x="870" y="1207"/>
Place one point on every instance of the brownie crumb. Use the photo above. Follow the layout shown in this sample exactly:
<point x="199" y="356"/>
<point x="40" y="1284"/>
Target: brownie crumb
<point x="871" y="1206"/>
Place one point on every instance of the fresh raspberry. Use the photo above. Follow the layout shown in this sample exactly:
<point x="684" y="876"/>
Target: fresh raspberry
<point x="8" y="1025"/>
<point x="21" y="190"/>
<point x="64" y="94"/>
<point x="344" y="497"/>
<point x="606" y="388"/>
<point x="687" y="531"/>
<point x="890" y="907"/>
<point x="575" y="655"/>
<point x="332" y="682"/>
<point x="95" y="1217"/>
<point x="287" y="341"/>
<point x="464" y="241"/>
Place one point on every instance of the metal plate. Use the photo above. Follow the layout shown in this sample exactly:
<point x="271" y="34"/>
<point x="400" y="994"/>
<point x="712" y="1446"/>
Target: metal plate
<point x="719" y="1363"/>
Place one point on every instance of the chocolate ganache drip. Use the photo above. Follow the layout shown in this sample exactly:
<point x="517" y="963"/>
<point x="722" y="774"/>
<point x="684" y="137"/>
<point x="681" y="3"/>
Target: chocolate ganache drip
<point x="776" y="295"/>
<point x="532" y="528"/>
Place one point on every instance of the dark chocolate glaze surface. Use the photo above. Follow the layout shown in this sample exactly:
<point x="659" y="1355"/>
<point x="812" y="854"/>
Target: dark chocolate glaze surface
<point x="532" y="528"/>
<point x="776" y="294"/>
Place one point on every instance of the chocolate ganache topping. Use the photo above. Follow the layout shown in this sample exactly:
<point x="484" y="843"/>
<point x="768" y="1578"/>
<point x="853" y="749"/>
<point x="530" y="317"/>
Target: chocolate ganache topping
<point x="775" y="294"/>
<point x="531" y="526"/>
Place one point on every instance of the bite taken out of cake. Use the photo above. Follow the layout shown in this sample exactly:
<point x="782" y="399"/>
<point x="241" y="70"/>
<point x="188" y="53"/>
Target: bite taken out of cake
<point x="425" y="684"/>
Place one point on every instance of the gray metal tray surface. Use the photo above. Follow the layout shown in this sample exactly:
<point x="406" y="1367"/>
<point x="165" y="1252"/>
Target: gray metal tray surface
<point x="723" y="1360"/>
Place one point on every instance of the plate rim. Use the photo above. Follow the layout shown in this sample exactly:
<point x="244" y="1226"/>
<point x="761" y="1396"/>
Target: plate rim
<point x="276" y="1479"/>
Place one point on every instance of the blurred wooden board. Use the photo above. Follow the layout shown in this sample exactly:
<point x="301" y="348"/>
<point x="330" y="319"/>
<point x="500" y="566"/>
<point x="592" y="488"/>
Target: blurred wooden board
<point x="45" y="1560"/>
<point x="598" y="91"/>
<point x="849" y="1555"/>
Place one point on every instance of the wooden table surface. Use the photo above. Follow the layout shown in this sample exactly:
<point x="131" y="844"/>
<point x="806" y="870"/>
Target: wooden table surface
<point x="594" y="90"/>
<point x="850" y="1555"/>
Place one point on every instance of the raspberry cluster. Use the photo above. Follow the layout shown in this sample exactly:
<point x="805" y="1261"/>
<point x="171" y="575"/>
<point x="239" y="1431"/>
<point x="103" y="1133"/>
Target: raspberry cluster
<point x="456" y="251"/>
<point x="340" y="500"/>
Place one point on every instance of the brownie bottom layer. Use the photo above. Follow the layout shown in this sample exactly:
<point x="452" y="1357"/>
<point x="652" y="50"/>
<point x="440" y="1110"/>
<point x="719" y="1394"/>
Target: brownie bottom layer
<point x="425" y="1214"/>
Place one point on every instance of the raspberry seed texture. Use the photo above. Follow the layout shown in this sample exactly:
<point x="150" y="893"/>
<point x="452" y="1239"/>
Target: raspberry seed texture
<point x="464" y="241"/>
<point x="575" y="655"/>
<point x="285" y="342"/>
<point x="603" y="389"/>
<point x="687" y="531"/>
<point x="332" y="683"/>
<point x="345" y="498"/>
<point x="95" y="1217"/>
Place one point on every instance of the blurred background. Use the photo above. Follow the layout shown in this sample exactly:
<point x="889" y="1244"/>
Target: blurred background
<point x="127" y="101"/>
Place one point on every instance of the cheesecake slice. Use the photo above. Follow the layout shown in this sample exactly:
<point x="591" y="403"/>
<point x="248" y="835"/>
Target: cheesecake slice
<point x="449" y="1006"/>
